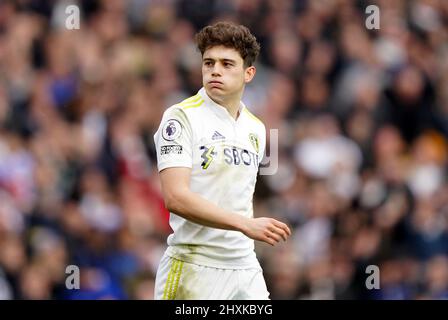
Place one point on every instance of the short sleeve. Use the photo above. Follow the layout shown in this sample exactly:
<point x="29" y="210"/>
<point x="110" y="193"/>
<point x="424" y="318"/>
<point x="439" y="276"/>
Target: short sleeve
<point x="173" y="140"/>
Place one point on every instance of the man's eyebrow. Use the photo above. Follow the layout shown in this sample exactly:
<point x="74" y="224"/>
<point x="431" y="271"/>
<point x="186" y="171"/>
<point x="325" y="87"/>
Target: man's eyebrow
<point x="224" y="60"/>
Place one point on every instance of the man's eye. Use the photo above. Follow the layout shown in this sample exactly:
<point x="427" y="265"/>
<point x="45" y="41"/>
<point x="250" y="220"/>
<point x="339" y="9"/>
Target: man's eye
<point x="228" y="65"/>
<point x="208" y="63"/>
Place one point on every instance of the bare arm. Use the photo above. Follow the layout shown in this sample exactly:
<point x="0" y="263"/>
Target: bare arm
<point x="180" y="200"/>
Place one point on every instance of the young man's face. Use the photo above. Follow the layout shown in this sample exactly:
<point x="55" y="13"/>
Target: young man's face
<point x="223" y="72"/>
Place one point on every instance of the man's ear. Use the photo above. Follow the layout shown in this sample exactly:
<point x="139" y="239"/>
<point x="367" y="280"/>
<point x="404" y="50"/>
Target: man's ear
<point x="249" y="74"/>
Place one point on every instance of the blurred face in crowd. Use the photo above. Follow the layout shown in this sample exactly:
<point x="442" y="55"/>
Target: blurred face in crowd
<point x="224" y="74"/>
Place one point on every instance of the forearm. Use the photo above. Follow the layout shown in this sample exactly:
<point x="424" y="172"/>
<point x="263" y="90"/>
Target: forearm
<point x="195" y="208"/>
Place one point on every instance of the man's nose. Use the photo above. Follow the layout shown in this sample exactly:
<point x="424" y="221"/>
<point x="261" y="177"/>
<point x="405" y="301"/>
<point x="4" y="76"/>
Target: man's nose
<point x="216" y="71"/>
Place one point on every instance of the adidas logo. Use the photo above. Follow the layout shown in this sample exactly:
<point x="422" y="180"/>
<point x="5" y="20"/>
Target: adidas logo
<point x="217" y="136"/>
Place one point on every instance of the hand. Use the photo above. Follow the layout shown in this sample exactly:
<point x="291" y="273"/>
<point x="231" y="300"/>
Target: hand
<point x="267" y="230"/>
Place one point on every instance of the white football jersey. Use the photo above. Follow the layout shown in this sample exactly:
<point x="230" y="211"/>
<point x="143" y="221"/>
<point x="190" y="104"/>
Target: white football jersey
<point x="224" y="155"/>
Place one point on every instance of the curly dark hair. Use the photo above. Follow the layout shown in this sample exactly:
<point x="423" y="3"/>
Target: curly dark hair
<point x="229" y="35"/>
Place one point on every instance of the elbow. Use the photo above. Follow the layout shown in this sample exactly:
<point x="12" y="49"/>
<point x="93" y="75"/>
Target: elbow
<point x="173" y="201"/>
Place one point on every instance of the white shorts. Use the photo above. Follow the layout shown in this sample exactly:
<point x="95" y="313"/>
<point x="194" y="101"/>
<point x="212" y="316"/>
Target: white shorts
<point x="179" y="280"/>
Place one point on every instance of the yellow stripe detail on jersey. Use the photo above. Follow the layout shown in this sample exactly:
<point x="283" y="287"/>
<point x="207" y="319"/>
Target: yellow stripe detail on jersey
<point x="190" y="100"/>
<point x="198" y="104"/>
<point x="169" y="279"/>
<point x="176" y="281"/>
<point x="252" y="115"/>
<point x="194" y="98"/>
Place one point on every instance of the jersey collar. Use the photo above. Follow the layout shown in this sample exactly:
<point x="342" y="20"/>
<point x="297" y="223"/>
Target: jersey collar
<point x="219" y="109"/>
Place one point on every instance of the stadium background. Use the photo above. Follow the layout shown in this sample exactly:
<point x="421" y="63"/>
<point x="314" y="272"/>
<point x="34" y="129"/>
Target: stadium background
<point x="362" y="118"/>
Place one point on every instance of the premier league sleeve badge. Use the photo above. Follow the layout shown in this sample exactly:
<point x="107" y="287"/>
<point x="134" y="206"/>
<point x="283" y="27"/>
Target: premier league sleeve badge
<point x="171" y="130"/>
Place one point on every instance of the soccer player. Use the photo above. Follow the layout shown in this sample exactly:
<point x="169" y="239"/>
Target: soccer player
<point x="209" y="148"/>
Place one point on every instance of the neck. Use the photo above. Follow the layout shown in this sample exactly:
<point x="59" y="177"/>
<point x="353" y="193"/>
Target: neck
<point x="232" y="104"/>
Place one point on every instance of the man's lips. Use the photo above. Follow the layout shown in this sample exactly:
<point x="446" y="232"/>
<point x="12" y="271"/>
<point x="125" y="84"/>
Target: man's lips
<point x="215" y="82"/>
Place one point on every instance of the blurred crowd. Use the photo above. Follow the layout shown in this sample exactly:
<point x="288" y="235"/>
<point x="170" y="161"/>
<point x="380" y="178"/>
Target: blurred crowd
<point x="362" y="119"/>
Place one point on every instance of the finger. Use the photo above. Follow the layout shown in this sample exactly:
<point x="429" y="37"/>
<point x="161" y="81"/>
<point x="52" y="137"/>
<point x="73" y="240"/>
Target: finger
<point x="287" y="230"/>
<point x="274" y="236"/>
<point x="282" y="226"/>
<point x="280" y="232"/>
<point x="268" y="240"/>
